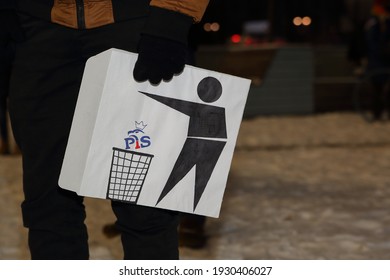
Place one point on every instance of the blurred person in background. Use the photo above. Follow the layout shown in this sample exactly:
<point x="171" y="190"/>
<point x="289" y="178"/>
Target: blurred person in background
<point x="377" y="36"/>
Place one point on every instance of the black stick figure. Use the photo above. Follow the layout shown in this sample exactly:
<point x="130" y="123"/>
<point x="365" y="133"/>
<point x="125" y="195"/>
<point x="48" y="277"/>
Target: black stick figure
<point x="205" y="140"/>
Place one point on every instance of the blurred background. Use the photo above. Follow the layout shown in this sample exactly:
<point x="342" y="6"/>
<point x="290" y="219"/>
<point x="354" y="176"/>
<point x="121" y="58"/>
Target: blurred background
<point x="313" y="48"/>
<point x="264" y="21"/>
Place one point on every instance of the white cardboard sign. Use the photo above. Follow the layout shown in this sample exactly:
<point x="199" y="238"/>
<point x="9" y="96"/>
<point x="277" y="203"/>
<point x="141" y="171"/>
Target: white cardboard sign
<point x="168" y="146"/>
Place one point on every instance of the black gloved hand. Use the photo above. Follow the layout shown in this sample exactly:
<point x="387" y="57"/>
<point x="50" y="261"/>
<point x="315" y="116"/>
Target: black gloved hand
<point x="162" y="49"/>
<point x="159" y="59"/>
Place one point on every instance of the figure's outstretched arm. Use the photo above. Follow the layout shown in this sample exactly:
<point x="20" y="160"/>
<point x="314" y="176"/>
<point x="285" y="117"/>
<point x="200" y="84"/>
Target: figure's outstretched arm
<point x="185" y="107"/>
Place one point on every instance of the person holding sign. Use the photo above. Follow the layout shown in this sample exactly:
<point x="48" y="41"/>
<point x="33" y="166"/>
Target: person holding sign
<point x="59" y="38"/>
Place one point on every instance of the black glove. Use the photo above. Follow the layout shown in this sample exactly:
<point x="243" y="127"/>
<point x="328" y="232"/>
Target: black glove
<point x="159" y="59"/>
<point x="162" y="49"/>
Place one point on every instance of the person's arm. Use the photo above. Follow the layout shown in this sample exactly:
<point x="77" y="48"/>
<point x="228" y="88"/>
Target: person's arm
<point x="162" y="48"/>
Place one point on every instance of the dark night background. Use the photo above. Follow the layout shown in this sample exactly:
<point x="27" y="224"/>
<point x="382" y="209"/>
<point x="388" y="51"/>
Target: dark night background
<point x="333" y="21"/>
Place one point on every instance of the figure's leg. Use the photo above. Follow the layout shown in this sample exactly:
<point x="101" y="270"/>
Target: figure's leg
<point x="184" y="163"/>
<point x="211" y="150"/>
<point x="203" y="154"/>
<point x="191" y="229"/>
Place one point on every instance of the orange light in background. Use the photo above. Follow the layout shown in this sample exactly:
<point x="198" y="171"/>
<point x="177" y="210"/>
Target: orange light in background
<point x="306" y="21"/>
<point x="211" y="27"/>
<point x="214" y="27"/>
<point x="207" y="27"/>
<point x="236" y="38"/>
<point x="297" y="21"/>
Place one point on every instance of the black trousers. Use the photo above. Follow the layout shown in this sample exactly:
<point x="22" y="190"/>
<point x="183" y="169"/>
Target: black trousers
<point x="44" y="86"/>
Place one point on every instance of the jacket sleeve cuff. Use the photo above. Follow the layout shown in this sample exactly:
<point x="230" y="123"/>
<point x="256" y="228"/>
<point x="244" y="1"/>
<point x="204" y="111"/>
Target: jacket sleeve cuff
<point x="168" y="24"/>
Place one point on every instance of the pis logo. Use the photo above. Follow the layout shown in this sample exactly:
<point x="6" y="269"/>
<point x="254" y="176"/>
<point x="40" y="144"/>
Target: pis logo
<point x="136" y="139"/>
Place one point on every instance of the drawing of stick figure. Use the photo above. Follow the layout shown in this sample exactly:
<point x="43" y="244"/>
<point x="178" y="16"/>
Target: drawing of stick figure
<point x="206" y="136"/>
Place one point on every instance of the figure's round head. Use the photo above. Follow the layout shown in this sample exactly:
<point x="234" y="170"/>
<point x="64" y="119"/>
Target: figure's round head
<point x="209" y="89"/>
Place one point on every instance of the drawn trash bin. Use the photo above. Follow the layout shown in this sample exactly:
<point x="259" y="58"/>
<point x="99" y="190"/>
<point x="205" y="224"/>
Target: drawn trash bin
<point x="127" y="175"/>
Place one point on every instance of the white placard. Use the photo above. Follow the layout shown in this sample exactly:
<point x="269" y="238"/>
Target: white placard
<point x="168" y="146"/>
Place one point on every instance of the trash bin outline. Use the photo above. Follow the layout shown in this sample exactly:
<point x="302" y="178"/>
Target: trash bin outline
<point x="127" y="175"/>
